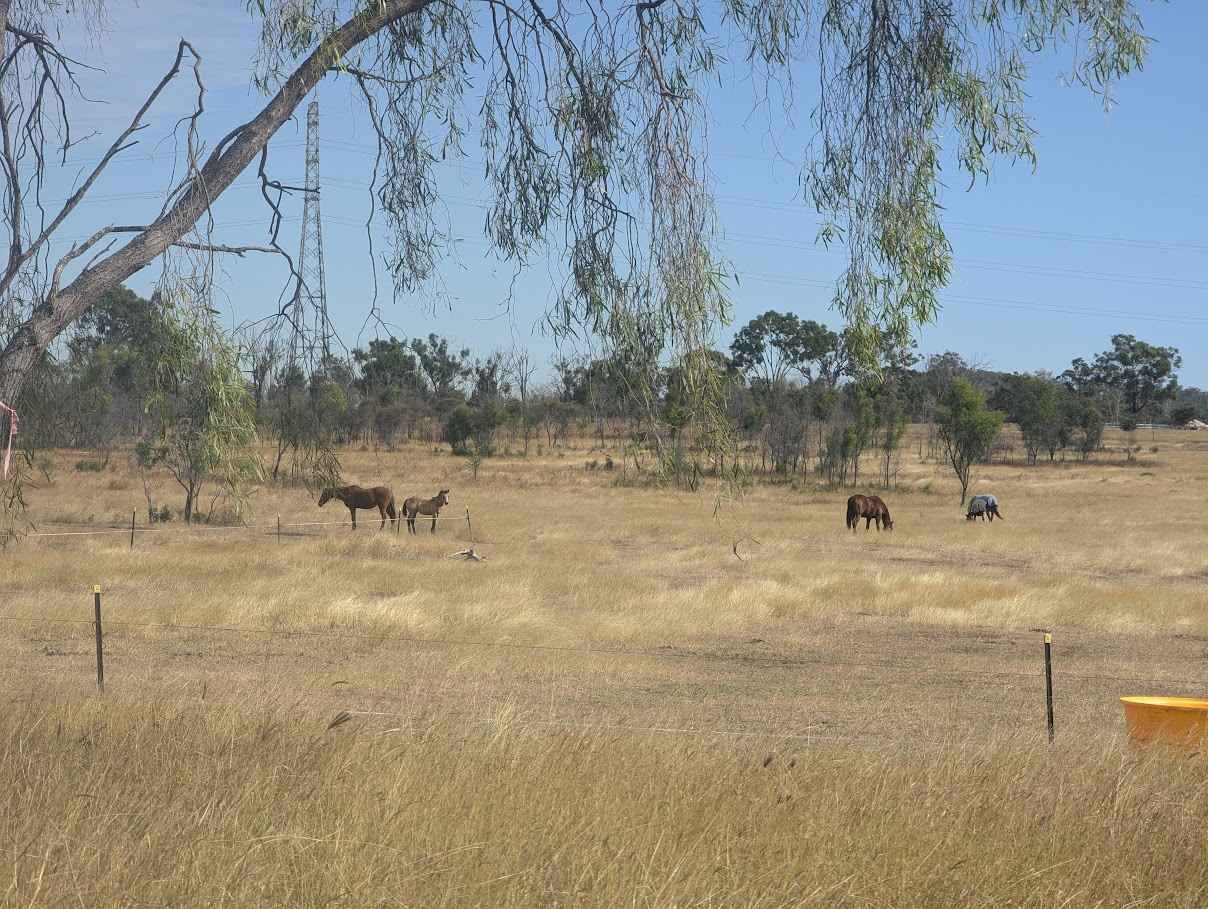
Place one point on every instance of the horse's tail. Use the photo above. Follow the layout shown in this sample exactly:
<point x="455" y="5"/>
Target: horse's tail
<point x="853" y="512"/>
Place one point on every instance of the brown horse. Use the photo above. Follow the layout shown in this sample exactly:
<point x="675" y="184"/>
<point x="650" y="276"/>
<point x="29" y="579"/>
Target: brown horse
<point x="379" y="497"/>
<point x="871" y="508"/>
<point x="415" y="505"/>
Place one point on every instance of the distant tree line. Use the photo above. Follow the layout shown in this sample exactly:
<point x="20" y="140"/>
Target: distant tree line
<point x="793" y="401"/>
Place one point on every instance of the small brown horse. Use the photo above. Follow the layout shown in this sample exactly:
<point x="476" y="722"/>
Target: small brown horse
<point x="871" y="508"/>
<point x="415" y="505"/>
<point x="379" y="497"/>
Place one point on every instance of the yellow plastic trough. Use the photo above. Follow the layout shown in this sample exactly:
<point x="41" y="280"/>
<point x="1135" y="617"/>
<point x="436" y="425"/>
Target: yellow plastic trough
<point x="1182" y="721"/>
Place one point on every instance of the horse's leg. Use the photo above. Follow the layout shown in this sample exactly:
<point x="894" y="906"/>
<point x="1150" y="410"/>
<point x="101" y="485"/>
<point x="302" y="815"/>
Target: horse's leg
<point x="352" y="511"/>
<point x="382" y="511"/>
<point x="434" y="523"/>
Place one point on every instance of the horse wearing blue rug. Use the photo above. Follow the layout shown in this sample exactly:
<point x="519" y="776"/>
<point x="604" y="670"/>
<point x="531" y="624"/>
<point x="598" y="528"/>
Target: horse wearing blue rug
<point x="984" y="507"/>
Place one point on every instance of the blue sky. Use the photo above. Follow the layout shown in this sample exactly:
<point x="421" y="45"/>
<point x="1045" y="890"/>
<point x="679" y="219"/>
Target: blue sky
<point x="1108" y="235"/>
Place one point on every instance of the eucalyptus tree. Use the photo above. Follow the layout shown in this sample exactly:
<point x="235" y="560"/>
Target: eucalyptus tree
<point x="592" y="120"/>
<point x="202" y="426"/>
<point x="967" y="429"/>
<point x="774" y="345"/>
<point x="1143" y="375"/>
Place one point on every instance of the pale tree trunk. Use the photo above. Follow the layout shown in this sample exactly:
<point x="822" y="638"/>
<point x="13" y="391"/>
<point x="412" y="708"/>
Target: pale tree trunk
<point x="228" y="160"/>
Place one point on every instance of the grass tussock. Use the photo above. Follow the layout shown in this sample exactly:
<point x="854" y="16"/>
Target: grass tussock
<point x="167" y="803"/>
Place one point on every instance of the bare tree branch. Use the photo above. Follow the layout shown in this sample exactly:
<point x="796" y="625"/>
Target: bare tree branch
<point x="218" y="172"/>
<point x="118" y="146"/>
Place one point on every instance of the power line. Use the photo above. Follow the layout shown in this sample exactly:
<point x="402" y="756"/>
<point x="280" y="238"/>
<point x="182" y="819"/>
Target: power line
<point x="1037" y="233"/>
<point x="794" y="281"/>
<point x="1023" y="232"/>
<point x="349" y="145"/>
<point x="763" y="240"/>
<point x="131" y="157"/>
<point x="1015" y="267"/>
<point x="993" y="302"/>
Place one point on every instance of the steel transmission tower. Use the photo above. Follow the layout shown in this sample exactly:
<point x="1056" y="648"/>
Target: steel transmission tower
<point x="312" y="331"/>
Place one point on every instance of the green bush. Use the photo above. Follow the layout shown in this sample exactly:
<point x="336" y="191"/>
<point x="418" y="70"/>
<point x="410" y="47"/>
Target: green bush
<point x="459" y="427"/>
<point x="89" y="466"/>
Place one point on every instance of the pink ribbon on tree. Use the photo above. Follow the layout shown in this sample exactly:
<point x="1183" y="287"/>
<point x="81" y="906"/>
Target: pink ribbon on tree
<point x="12" y="431"/>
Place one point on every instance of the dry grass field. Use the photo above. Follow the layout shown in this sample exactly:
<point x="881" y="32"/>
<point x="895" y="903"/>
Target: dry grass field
<point x="613" y="708"/>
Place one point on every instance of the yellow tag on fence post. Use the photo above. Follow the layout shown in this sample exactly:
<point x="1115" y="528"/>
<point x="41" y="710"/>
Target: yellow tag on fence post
<point x="1048" y="638"/>
<point x="96" y="588"/>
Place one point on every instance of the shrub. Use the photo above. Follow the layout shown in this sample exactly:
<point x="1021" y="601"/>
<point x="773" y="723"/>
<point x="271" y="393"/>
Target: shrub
<point x="459" y="427"/>
<point x="89" y="466"/>
<point x="225" y="517"/>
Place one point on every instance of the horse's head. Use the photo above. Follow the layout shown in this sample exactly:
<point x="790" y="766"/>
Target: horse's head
<point x="326" y="496"/>
<point x="887" y="520"/>
<point x="442" y="498"/>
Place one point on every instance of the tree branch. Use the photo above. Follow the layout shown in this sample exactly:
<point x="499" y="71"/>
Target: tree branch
<point x="221" y="168"/>
<point x="119" y="145"/>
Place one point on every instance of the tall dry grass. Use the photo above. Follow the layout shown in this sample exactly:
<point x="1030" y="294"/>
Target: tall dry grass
<point x="172" y="804"/>
<point x="501" y="752"/>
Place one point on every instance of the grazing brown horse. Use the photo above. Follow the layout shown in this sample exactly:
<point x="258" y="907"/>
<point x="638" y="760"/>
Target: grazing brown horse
<point x="871" y="508"/>
<point x="379" y="497"/>
<point x="415" y="505"/>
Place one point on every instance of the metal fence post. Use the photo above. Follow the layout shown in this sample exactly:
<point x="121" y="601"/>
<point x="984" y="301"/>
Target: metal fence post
<point x="132" y="515"/>
<point x="100" y="651"/>
<point x="1048" y="683"/>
